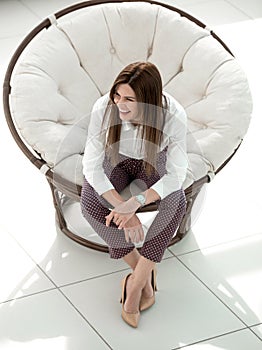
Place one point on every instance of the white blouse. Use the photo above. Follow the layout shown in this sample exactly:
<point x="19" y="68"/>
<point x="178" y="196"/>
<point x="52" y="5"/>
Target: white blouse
<point x="174" y="138"/>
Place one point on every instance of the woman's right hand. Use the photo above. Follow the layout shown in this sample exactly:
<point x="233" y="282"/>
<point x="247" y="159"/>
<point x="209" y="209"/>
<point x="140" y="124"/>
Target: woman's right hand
<point x="133" y="230"/>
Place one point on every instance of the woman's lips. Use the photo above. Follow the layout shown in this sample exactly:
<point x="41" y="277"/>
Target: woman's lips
<point x="123" y="112"/>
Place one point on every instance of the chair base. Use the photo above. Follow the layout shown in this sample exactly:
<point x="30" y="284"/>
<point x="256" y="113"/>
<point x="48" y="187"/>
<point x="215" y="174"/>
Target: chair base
<point x="59" y="198"/>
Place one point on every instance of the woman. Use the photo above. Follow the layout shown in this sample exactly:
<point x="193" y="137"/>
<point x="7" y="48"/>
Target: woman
<point x="136" y="132"/>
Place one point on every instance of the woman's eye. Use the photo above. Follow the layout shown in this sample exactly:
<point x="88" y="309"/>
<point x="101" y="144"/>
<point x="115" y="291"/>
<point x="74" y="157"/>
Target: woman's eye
<point x="117" y="97"/>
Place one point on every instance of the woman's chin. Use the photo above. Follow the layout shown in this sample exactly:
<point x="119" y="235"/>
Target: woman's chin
<point x="125" y="116"/>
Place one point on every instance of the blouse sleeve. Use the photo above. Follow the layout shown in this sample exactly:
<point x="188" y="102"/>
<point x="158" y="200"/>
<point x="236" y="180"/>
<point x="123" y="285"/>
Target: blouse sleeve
<point x="95" y="150"/>
<point x="177" y="160"/>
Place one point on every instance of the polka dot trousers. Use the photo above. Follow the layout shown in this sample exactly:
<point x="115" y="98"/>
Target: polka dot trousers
<point x="170" y="209"/>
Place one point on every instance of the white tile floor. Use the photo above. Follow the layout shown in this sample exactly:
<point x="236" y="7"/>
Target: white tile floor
<point x="55" y="293"/>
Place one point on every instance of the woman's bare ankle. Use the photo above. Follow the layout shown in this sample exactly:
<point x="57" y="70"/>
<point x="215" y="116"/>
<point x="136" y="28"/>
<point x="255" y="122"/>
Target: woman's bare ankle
<point x="134" y="293"/>
<point x="148" y="289"/>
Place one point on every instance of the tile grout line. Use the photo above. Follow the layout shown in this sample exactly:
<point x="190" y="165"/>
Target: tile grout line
<point x="101" y="275"/>
<point x="250" y="328"/>
<point x="56" y="286"/>
<point x="212" y="292"/>
<point x="114" y="272"/>
<point x="214" y="245"/>
<point x="91" y="278"/>
<point x="88" y="279"/>
<point x="7" y="37"/>
<point x="247" y="327"/>
<point x="185" y="253"/>
<point x="238" y="8"/>
<point x="85" y="319"/>
<point x="211" y="338"/>
<point x="57" y="289"/>
<point x="44" y="272"/>
<point x="28" y="295"/>
<point x="30" y="10"/>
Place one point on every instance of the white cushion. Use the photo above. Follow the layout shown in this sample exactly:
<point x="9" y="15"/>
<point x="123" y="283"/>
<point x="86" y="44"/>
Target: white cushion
<point x="67" y="67"/>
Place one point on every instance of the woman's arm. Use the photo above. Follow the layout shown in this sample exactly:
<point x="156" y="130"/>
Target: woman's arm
<point x="125" y="210"/>
<point x="176" y="157"/>
<point x="95" y="149"/>
<point x="176" y="169"/>
<point x="113" y="197"/>
<point x="124" y="216"/>
<point x="151" y="196"/>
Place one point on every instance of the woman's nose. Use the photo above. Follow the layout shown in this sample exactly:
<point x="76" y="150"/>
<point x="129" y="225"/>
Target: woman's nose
<point x="121" y="103"/>
<point x="121" y="100"/>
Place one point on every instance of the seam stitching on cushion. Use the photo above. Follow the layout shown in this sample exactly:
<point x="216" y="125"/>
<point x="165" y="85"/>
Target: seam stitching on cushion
<point x="110" y="35"/>
<point x="108" y="29"/>
<point x="215" y="70"/>
<point x="80" y="63"/>
<point x="150" y="49"/>
<point x="192" y="44"/>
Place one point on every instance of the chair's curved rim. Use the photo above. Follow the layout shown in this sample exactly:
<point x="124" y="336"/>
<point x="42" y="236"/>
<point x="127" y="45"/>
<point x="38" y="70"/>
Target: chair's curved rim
<point x="70" y="188"/>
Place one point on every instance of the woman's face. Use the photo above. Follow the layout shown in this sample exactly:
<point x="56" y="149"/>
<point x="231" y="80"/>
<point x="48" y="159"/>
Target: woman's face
<point x="126" y="102"/>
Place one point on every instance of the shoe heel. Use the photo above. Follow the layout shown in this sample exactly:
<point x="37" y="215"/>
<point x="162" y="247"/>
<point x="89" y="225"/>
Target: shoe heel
<point x="146" y="303"/>
<point x="153" y="280"/>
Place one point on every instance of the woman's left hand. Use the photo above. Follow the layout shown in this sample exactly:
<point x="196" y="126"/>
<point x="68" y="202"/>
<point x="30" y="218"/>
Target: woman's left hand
<point x="134" y="230"/>
<point x="122" y="213"/>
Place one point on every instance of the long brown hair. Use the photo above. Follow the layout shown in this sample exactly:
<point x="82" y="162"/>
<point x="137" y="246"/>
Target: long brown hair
<point x="144" y="78"/>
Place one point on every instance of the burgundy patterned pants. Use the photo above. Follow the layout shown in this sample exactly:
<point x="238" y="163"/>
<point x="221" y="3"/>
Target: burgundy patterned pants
<point x="170" y="209"/>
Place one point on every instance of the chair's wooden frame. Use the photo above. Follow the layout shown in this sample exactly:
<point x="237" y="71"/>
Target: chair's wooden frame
<point x="60" y="185"/>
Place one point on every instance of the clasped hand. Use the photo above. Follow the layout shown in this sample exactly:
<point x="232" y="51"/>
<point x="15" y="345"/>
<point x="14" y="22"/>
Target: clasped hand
<point x="124" y="216"/>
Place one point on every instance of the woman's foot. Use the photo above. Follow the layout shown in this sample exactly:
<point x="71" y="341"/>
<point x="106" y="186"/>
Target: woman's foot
<point x="130" y="313"/>
<point x="148" y="292"/>
<point x="133" y="296"/>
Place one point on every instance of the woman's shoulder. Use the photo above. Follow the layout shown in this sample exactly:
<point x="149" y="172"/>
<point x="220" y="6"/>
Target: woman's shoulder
<point x="98" y="112"/>
<point x="172" y="104"/>
<point x="101" y="102"/>
<point x="174" y="108"/>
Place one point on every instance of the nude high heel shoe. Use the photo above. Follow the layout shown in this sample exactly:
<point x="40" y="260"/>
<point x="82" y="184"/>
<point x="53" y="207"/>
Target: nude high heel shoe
<point x="146" y="303"/>
<point x="131" y="318"/>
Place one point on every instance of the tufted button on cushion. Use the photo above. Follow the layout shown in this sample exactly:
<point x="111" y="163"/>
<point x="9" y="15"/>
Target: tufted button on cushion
<point x="75" y="61"/>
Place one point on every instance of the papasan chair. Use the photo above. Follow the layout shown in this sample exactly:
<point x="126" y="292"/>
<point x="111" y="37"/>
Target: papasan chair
<point x="71" y="58"/>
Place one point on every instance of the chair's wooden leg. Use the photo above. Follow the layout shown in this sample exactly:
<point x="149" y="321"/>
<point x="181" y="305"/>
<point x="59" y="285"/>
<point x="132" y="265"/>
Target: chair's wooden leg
<point x="64" y="228"/>
<point x="56" y="202"/>
<point x="183" y="228"/>
<point x="186" y="222"/>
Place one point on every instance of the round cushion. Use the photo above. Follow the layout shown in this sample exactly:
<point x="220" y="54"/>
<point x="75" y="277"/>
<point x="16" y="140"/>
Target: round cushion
<point x="74" y="62"/>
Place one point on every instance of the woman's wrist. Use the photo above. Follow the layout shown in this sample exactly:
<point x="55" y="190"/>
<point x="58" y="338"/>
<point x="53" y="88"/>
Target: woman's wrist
<point x="146" y="197"/>
<point x="140" y="199"/>
<point x="134" y="203"/>
<point x="113" y="197"/>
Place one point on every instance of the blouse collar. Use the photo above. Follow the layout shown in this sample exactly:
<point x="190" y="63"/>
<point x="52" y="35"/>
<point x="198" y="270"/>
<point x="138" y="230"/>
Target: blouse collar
<point x="126" y="125"/>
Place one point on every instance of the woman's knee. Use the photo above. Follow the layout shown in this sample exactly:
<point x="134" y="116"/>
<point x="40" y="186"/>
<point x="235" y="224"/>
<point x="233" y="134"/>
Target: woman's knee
<point x="92" y="205"/>
<point x="174" y="202"/>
